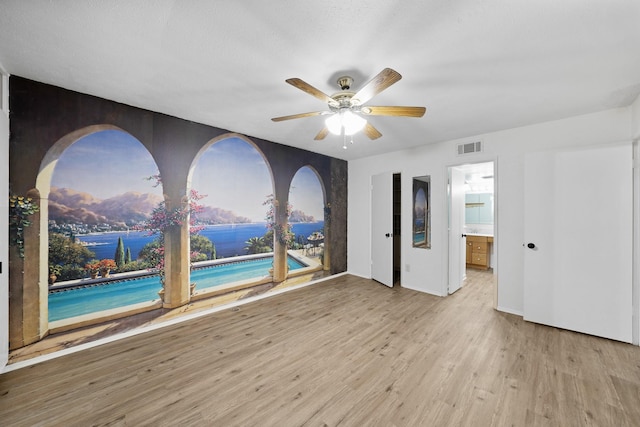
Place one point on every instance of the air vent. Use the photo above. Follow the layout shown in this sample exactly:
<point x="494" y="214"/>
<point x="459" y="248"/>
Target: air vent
<point x="469" y="147"/>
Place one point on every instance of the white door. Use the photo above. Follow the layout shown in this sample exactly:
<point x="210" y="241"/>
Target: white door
<point x="578" y="240"/>
<point x="382" y="228"/>
<point x="457" y="240"/>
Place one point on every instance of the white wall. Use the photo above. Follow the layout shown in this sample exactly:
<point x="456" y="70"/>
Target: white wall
<point x="635" y="118"/>
<point x="428" y="268"/>
<point x="635" y="133"/>
<point x="4" y="213"/>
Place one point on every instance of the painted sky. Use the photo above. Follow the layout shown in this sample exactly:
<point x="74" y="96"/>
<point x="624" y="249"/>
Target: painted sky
<point x="306" y="194"/>
<point x="234" y="176"/>
<point x="231" y="173"/>
<point x="100" y="164"/>
<point x="421" y="200"/>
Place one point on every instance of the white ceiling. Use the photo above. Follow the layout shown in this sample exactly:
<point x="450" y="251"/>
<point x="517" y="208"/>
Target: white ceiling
<point x="478" y="177"/>
<point x="478" y="66"/>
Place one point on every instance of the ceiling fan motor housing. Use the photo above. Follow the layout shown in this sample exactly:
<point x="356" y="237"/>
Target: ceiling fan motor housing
<point x="342" y="100"/>
<point x="345" y="82"/>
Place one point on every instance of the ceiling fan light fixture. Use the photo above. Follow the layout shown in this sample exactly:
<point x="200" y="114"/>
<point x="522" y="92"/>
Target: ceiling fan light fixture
<point x="352" y="123"/>
<point x="334" y="124"/>
<point x="347" y="120"/>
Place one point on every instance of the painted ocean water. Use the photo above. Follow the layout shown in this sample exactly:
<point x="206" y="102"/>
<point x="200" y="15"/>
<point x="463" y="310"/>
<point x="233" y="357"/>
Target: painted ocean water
<point x="229" y="238"/>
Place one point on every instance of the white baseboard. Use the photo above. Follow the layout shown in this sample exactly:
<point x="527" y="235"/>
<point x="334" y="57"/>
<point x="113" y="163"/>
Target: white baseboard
<point x="510" y="311"/>
<point x="358" y="275"/>
<point x="423" y="291"/>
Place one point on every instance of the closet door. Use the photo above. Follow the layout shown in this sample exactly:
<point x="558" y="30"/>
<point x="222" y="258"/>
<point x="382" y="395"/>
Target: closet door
<point x="578" y="240"/>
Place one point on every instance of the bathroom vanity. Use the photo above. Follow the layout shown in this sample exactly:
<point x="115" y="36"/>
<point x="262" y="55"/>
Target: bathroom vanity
<point x="479" y="251"/>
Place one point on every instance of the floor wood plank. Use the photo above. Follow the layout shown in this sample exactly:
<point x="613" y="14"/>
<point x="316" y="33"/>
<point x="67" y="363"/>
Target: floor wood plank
<point x="345" y="352"/>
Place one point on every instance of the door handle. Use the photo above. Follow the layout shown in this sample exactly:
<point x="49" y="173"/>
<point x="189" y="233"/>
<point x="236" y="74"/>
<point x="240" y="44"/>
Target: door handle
<point x="531" y="245"/>
<point x="387" y="235"/>
<point x="464" y="235"/>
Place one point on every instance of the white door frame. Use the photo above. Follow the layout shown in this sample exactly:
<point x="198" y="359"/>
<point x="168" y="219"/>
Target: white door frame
<point x="457" y="242"/>
<point x="635" y="289"/>
<point x="447" y="235"/>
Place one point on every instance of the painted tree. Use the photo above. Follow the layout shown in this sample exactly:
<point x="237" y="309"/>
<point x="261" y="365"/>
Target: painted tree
<point x="203" y="245"/>
<point x="256" y="245"/>
<point x="151" y="255"/>
<point x="128" y="256"/>
<point x="119" y="255"/>
<point x="70" y="256"/>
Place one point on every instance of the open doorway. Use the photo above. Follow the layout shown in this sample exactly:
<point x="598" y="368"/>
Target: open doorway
<point x="397" y="214"/>
<point x="472" y="221"/>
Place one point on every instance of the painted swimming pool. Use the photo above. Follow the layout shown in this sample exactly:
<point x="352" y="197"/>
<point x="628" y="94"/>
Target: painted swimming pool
<point x="66" y="303"/>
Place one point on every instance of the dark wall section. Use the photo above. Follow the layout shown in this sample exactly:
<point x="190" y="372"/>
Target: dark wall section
<point x="41" y="114"/>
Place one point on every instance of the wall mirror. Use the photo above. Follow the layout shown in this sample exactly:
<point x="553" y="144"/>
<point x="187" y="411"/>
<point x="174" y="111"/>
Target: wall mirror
<point x="479" y="208"/>
<point x="422" y="212"/>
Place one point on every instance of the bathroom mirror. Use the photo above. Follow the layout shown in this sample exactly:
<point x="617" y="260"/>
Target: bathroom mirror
<point x="422" y="212"/>
<point x="478" y="209"/>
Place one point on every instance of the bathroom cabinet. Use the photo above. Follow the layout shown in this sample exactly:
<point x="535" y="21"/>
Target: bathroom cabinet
<point x="479" y="251"/>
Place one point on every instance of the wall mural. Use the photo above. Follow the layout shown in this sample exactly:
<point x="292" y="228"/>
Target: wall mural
<point x="127" y="199"/>
<point x="100" y="206"/>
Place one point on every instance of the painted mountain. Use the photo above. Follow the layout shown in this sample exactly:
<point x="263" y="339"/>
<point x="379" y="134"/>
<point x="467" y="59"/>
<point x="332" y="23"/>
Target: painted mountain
<point x="299" y="216"/>
<point x="212" y="216"/>
<point x="68" y="206"/>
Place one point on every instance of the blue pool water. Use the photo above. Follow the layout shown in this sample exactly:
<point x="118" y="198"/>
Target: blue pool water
<point x="79" y="301"/>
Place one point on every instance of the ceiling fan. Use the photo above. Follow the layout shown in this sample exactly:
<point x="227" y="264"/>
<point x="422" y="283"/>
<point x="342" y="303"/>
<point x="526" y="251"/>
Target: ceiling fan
<point x="346" y="108"/>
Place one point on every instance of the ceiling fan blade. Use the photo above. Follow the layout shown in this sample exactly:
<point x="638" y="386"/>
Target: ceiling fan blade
<point x="371" y="132"/>
<point x="306" y="87"/>
<point x="322" y="134"/>
<point x="394" y="111"/>
<point x="383" y="80"/>
<point x="299" y="116"/>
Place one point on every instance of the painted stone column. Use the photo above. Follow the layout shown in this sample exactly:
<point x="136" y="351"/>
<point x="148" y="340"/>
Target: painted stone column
<point x="280" y="248"/>
<point x="28" y="293"/>
<point x="176" y="264"/>
<point x="16" y="292"/>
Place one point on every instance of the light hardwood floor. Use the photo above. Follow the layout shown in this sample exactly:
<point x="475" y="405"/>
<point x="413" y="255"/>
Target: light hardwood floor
<point x="346" y="352"/>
